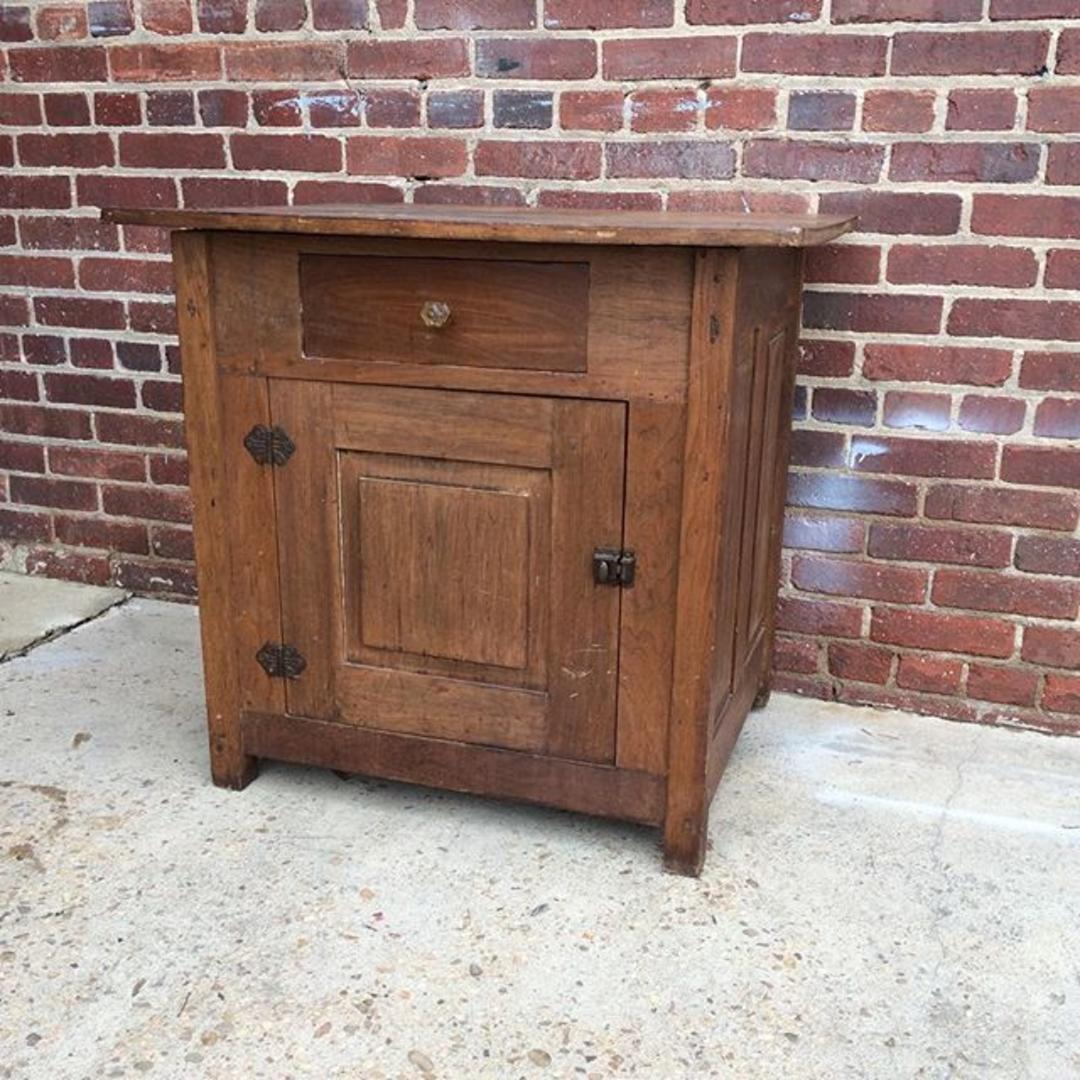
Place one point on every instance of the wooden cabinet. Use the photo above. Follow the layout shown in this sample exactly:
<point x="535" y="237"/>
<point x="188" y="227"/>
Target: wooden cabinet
<point x="490" y="500"/>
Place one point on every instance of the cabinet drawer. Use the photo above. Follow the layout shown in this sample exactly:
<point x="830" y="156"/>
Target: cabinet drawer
<point x="492" y="313"/>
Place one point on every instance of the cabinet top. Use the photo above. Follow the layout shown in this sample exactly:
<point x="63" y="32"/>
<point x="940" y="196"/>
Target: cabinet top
<point x="520" y="224"/>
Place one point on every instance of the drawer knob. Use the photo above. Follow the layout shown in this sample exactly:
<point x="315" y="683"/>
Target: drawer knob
<point x="435" y="313"/>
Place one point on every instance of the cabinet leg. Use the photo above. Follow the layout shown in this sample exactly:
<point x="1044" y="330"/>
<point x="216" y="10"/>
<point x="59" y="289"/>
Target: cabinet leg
<point x="230" y="767"/>
<point x="685" y="841"/>
<point x="763" y="695"/>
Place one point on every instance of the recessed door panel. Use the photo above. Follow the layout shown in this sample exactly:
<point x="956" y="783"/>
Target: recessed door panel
<point x="455" y="590"/>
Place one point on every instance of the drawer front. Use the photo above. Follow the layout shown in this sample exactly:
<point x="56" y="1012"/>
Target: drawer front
<point x="445" y="311"/>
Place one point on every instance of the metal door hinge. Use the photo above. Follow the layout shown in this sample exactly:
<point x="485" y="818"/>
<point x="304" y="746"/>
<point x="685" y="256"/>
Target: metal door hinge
<point x="280" y="661"/>
<point x="269" y="445"/>
<point x="613" y="567"/>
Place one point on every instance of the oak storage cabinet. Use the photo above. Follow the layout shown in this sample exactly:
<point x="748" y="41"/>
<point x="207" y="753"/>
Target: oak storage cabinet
<point x="490" y="500"/>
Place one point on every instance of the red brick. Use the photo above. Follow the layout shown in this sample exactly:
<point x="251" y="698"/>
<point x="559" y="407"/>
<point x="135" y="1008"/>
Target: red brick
<point x="68" y="565"/>
<point x="605" y="14"/>
<point x="33" y="273"/>
<point x="1026" y="215"/>
<point x="44" y="349"/>
<point x="821" y="110"/>
<point x="814" y="54"/>
<point x="818" y="449"/>
<point x="84" y="150"/>
<point x="70" y="63"/>
<point x="1041" y="467"/>
<point x="1068" y="57"/>
<point x="125" y="275"/>
<point x="854" y="578"/>
<point x="690" y="159"/>
<point x="14" y="311"/>
<point x="860" y="663"/>
<point x="475" y="14"/>
<point x="664" y="110"/>
<point x="833" y="359"/>
<point x="601" y="200"/>
<point x="18" y="385"/>
<point x="392" y="108"/>
<point x="194" y="61"/>
<point x="166" y="16"/>
<point x="117" y="110"/>
<point x="353" y="14"/>
<point x="836" y="534"/>
<point x="1048" y="555"/>
<point x="15" y="23"/>
<point x="927" y="363"/>
<point x="852" y="493"/>
<point x="91" y="463"/>
<point x="155" y="576"/>
<point x="740" y="109"/>
<point x="468" y="195"/>
<point x="962" y="264"/>
<point x="908" y="409"/>
<point x="223" y="108"/>
<point x="1049" y="320"/>
<point x="133" y="430"/>
<point x="853" y="264"/>
<point x="988" y="163"/>
<point x="977" y="591"/>
<point x="72" y="388"/>
<point x="986" y="52"/>
<point x="929" y="673"/>
<point x="222" y="16"/>
<point x="172" y="150"/>
<point x="744" y="12"/>
<point x="1033" y="9"/>
<point x="535" y="58"/>
<point x="1051" y="371"/>
<point x="110" y="18"/>
<point x="898" y="110"/>
<point x="1051" y="647"/>
<point x="104" y="535"/>
<point x="1007" y="685"/>
<point x="62" y="22"/>
<point x="169" y="542"/>
<point x="696" y="57"/>
<point x="21" y="457"/>
<point x="939" y="632"/>
<point x="152" y="318"/>
<point x="405" y="156"/>
<point x="897" y="212"/>
<point x="314" y="192"/>
<point x="170" y="108"/>
<point x="392" y="13"/>
<point x="840" y="405"/>
<point x="937" y="544"/>
<point x="310" y="61"/>
<point x="795" y="654"/>
<point x="794" y="159"/>
<point x="147" y="503"/>
<point x="800" y="616"/>
<point x="871" y="11"/>
<point x="591" y="110"/>
<point x="1058" y="418"/>
<point x="170" y="469"/>
<point x="1062" y="694"/>
<point x="47" y="491"/>
<point x="981" y="110"/>
<point x="20" y="110"/>
<point x="44" y="423"/>
<point x="317" y="153"/>
<point x="66" y="110"/>
<point x="875" y="313"/>
<point x="436" y="58"/>
<point x="22" y="526"/>
<point x="206" y="193"/>
<point x="280" y="15"/>
<point x="79" y="311"/>
<point x="1063" y="269"/>
<point x="334" y="108"/>
<point x="162" y="397"/>
<point x="548" y="160"/>
<point x="138" y="356"/>
<point x="276" y="108"/>
<point x="992" y="415"/>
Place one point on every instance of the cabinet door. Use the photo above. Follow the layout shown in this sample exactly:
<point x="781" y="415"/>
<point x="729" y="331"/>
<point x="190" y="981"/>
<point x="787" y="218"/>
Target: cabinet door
<point x="436" y="561"/>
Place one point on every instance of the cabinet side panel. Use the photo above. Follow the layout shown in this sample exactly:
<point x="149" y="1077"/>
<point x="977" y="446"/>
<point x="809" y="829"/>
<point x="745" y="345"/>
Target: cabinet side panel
<point x="234" y="518"/>
<point x="763" y="378"/>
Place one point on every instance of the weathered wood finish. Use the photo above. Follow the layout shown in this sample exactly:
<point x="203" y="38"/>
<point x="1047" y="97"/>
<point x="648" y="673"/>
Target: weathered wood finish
<point x="428" y="546"/>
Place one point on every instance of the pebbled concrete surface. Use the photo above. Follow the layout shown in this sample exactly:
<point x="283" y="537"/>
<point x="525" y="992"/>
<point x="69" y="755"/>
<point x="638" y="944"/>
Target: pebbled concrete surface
<point x="886" y="896"/>
<point x="33" y="609"/>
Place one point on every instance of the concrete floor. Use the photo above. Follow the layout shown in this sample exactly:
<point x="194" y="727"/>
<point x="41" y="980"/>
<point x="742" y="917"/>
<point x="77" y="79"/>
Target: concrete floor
<point x="886" y="896"/>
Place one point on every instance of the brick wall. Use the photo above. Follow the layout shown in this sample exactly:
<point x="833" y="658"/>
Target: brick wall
<point x="933" y="559"/>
